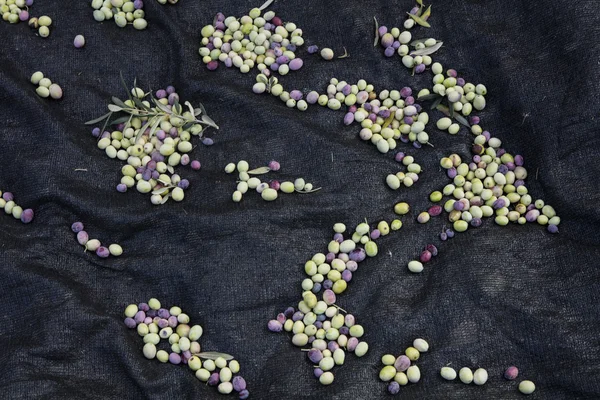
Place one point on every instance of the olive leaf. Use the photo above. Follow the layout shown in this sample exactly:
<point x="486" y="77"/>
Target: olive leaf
<point x="420" y="2"/>
<point x="259" y="171"/>
<point x="118" y="102"/>
<point x="462" y="120"/>
<point x="95" y="121"/>
<point x="437" y="102"/>
<point x="143" y="129"/>
<point x="451" y="110"/>
<point x="162" y="107"/>
<point x="114" y="108"/>
<point x="213" y="355"/>
<point x="345" y="54"/>
<point x="201" y="107"/>
<point x="197" y="111"/>
<point x="419" y="20"/>
<point x="308" y="191"/>
<point x="165" y="199"/>
<point x="427" y="50"/>
<point x="125" y="85"/>
<point x="376" y="32"/>
<point x="161" y="190"/>
<point x="265" y="5"/>
<point x="170" y="169"/>
<point x="426" y="14"/>
<point x="388" y="120"/>
<point x="428" y="97"/>
<point x="155" y="126"/>
<point x="189" y="105"/>
<point x="417" y="41"/>
<point x="120" y="120"/>
<point x="208" y="121"/>
<point x="443" y="109"/>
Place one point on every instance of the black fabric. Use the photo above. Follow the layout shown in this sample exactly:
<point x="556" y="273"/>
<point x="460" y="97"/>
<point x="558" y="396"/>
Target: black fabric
<point x="493" y="297"/>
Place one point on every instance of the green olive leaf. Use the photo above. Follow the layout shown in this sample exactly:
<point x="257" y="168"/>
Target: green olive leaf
<point x="143" y="129"/>
<point x="155" y="126"/>
<point x="443" y="109"/>
<point x="420" y="2"/>
<point x="451" y="110"/>
<point x="259" y="171"/>
<point x="119" y="102"/>
<point x="462" y="120"/>
<point x="162" y="107"/>
<point x="201" y="107"/>
<point x="208" y="121"/>
<point x="426" y="14"/>
<point x="170" y="169"/>
<point x="114" y="108"/>
<point x="376" y="33"/>
<point x="141" y="105"/>
<point x="165" y="199"/>
<point x="417" y="41"/>
<point x="213" y="355"/>
<point x="189" y="105"/>
<point x="427" y="50"/>
<point x="125" y="85"/>
<point x="197" y="111"/>
<point x="161" y="190"/>
<point x="120" y="120"/>
<point x="437" y="102"/>
<point x="430" y="96"/>
<point x="95" y="121"/>
<point x="419" y="20"/>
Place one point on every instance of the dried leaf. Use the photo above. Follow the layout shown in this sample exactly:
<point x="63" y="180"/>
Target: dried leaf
<point x="114" y="108"/>
<point x="426" y="14"/>
<point x="419" y="20"/>
<point x="462" y="120"/>
<point x="95" y="121"/>
<point x="308" y="191"/>
<point x="345" y="54"/>
<point x="430" y="96"/>
<point x="376" y="33"/>
<point x="165" y="199"/>
<point x="265" y="5"/>
<point x="259" y="171"/>
<point x="213" y="355"/>
<point x="427" y="50"/>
